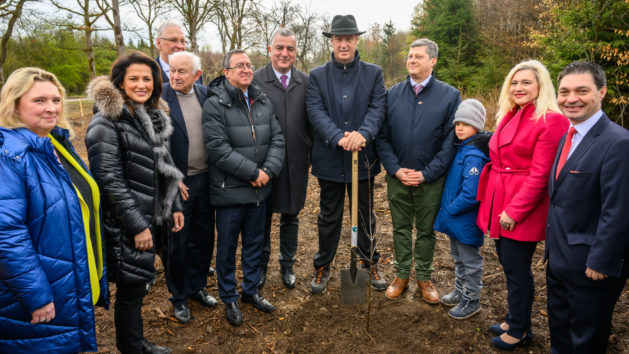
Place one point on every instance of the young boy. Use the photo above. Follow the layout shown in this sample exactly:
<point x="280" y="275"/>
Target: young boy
<point x="457" y="215"/>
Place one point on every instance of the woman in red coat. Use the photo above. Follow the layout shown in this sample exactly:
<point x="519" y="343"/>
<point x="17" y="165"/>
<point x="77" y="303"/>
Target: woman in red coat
<point x="513" y="188"/>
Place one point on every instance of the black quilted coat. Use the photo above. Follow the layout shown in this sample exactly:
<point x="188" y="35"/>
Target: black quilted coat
<point x="123" y="162"/>
<point x="239" y="142"/>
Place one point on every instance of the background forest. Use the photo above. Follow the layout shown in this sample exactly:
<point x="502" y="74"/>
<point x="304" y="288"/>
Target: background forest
<point x="479" y="40"/>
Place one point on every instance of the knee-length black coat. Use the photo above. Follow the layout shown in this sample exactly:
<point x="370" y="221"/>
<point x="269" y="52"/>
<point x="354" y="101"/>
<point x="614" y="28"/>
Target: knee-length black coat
<point x="289" y="188"/>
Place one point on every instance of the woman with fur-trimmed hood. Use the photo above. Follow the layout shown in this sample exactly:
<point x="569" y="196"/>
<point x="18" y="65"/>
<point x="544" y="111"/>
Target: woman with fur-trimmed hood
<point x="127" y="145"/>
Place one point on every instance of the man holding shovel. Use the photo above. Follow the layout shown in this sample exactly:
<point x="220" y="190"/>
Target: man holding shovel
<point x="345" y="100"/>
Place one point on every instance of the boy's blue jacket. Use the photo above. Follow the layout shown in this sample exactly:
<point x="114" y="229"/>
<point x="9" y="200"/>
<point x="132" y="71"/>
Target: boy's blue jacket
<point x="458" y="210"/>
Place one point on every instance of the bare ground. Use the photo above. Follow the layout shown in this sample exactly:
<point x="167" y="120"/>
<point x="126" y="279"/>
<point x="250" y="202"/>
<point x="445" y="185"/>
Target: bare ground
<point x="306" y="323"/>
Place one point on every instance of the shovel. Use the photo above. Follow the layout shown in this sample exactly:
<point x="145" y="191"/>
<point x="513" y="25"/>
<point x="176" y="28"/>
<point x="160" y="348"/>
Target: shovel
<point x="354" y="281"/>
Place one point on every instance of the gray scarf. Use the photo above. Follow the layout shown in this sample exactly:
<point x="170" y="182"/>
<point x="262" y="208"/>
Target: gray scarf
<point x="157" y="126"/>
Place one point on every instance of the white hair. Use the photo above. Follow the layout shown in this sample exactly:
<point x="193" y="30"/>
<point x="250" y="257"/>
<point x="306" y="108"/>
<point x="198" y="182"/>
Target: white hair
<point x="196" y="61"/>
<point x="164" y="25"/>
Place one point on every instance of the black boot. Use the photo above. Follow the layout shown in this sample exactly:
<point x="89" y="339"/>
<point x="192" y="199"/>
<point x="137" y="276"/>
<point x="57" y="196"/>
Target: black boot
<point x="288" y="277"/>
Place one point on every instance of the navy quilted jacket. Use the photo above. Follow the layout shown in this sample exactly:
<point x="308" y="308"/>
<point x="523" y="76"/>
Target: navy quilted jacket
<point x="43" y="254"/>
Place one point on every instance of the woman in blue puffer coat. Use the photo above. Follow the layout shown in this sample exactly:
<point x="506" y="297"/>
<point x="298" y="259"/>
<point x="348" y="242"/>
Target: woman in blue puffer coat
<point x="51" y="263"/>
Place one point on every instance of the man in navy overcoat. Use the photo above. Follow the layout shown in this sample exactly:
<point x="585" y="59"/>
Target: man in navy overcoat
<point x="587" y="238"/>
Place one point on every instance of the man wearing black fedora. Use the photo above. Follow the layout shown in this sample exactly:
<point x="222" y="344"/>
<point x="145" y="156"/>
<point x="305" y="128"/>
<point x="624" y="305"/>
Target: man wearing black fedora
<point x="346" y="104"/>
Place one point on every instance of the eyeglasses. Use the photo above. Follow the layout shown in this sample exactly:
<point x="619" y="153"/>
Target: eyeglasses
<point x="241" y="66"/>
<point x="175" y="40"/>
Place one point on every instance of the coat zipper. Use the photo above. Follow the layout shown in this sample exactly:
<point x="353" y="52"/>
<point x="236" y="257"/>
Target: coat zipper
<point x="255" y="141"/>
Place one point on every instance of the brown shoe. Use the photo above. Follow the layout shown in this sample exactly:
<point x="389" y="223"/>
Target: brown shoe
<point x="429" y="293"/>
<point x="397" y="288"/>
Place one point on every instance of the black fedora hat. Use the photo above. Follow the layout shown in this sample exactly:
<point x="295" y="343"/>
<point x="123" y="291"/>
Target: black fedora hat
<point x="343" y="26"/>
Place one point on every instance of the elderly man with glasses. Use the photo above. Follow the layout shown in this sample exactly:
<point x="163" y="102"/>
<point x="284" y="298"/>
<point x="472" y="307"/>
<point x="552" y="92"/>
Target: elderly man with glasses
<point x="245" y="149"/>
<point x="170" y="39"/>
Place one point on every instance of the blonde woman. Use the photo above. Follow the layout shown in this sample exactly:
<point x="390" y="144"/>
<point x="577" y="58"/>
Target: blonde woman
<point x="513" y="188"/>
<point x="51" y="264"/>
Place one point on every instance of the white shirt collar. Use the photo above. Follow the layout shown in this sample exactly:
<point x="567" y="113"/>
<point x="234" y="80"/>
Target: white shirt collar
<point x="423" y="83"/>
<point x="189" y="92"/>
<point x="585" y="126"/>
<point x="279" y="75"/>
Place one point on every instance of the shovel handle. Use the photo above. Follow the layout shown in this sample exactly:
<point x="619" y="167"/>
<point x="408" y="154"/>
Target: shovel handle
<point x="354" y="216"/>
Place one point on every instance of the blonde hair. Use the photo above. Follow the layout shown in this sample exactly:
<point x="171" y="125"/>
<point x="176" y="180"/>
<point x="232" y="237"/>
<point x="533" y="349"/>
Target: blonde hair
<point x="17" y="85"/>
<point x="546" y="99"/>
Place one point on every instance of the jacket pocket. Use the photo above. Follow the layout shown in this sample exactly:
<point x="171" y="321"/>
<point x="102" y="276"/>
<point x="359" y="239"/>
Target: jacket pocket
<point x="579" y="174"/>
<point x="580" y="239"/>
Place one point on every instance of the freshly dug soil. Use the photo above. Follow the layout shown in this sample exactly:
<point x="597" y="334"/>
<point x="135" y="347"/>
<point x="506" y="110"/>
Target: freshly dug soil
<point x="305" y="323"/>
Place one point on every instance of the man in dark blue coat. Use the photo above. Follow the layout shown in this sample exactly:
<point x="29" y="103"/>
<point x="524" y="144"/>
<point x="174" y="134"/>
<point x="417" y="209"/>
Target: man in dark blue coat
<point x="190" y="249"/>
<point x="416" y="146"/>
<point x="587" y="236"/>
<point x="345" y="100"/>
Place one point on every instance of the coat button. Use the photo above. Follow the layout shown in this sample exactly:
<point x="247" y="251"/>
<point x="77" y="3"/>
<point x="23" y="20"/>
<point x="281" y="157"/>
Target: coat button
<point x="507" y="168"/>
<point x="6" y="151"/>
<point x="344" y="96"/>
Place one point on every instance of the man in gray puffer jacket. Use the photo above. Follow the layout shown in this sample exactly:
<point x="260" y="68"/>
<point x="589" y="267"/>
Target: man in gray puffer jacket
<point x="245" y="150"/>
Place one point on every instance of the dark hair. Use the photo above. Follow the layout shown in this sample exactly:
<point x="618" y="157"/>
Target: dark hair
<point x="119" y="70"/>
<point x="585" y="67"/>
<point x="228" y="57"/>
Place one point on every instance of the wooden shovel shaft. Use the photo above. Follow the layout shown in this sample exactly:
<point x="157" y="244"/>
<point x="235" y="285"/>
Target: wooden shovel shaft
<point x="354" y="216"/>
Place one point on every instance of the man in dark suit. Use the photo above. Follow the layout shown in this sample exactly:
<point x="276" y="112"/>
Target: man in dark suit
<point x="286" y="87"/>
<point x="189" y="250"/>
<point x="170" y="39"/>
<point x="587" y="238"/>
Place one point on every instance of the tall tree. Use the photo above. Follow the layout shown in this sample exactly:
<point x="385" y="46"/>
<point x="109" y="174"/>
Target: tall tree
<point x="596" y="30"/>
<point x="195" y="13"/>
<point x="87" y="18"/>
<point x="452" y="25"/>
<point x="267" y="21"/>
<point x="10" y="11"/>
<point x="114" y="21"/>
<point x="234" y="19"/>
<point x="305" y="26"/>
<point x="148" y="11"/>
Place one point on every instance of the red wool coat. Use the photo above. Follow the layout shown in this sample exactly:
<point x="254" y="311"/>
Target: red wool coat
<point x="522" y="151"/>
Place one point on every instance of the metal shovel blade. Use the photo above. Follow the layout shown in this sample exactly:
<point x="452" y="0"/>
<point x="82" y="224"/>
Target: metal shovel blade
<point x="354" y="291"/>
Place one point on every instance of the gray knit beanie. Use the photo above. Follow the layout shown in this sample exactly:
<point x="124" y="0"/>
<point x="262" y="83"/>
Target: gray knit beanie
<point x="471" y="112"/>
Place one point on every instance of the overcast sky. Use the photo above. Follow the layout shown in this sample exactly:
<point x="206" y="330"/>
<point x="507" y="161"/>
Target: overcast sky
<point x="366" y="12"/>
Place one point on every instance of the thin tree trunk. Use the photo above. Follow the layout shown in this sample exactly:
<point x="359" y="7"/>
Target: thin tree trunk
<point x="115" y="10"/>
<point x="7" y="35"/>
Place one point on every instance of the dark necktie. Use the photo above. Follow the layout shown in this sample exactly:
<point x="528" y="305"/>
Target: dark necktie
<point x="283" y="79"/>
<point x="565" y="151"/>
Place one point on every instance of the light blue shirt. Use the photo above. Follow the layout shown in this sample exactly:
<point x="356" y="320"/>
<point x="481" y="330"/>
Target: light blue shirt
<point x="423" y="83"/>
<point x="582" y="129"/>
<point x="279" y="76"/>
<point x="247" y="98"/>
<point x="165" y="66"/>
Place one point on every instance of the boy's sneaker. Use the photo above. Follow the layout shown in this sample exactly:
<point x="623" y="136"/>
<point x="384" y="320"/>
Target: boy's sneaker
<point x="319" y="283"/>
<point x="453" y="298"/>
<point x="465" y="309"/>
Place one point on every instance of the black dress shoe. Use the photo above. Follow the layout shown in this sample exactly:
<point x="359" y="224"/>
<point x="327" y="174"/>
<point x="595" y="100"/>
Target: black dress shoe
<point x="204" y="298"/>
<point x="262" y="279"/>
<point x="211" y="272"/>
<point x="151" y="348"/>
<point x="233" y="314"/>
<point x="258" y="302"/>
<point x="288" y="277"/>
<point x="182" y="313"/>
